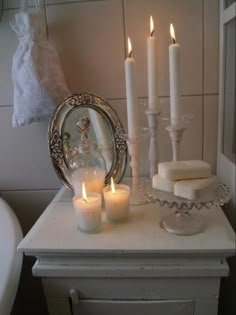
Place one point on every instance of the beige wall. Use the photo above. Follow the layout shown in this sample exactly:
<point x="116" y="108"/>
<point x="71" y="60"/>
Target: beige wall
<point x="91" y="40"/>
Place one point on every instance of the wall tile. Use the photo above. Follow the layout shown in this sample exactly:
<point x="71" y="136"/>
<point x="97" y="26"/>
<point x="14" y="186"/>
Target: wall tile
<point x="210" y="129"/>
<point x="28" y="205"/>
<point x="89" y="38"/>
<point x="119" y="106"/>
<point x="8" y="42"/>
<point x="211" y="46"/>
<point x="24" y="159"/>
<point x="186" y="15"/>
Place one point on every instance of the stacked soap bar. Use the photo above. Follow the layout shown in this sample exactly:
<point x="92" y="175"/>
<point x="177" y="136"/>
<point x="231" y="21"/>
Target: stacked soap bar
<point x="188" y="179"/>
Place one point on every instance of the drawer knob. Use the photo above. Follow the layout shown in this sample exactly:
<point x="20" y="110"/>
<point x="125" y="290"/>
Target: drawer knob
<point x="74" y="296"/>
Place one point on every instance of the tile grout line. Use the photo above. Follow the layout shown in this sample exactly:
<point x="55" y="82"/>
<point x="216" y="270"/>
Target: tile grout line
<point x="142" y="97"/>
<point x="167" y="96"/>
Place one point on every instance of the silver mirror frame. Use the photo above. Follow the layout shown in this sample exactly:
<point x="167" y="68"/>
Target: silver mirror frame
<point x="55" y="136"/>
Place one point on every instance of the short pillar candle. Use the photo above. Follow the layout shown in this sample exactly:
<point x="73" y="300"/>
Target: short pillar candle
<point x="88" y="210"/>
<point x="117" y="202"/>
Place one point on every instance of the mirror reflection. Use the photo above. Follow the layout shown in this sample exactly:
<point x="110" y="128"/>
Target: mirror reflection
<point x="99" y="134"/>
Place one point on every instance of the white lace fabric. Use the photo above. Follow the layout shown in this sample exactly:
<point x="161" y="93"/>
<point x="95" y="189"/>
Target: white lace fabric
<point x="39" y="84"/>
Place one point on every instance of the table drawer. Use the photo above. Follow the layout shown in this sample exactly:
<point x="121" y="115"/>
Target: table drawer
<point x="124" y="307"/>
<point x="132" y="288"/>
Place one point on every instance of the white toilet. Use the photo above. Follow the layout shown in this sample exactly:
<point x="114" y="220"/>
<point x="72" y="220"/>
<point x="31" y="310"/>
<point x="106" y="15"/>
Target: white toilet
<point x="10" y="259"/>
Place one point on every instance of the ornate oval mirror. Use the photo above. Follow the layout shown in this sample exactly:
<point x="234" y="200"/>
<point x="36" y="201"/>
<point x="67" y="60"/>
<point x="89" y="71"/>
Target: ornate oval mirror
<point x="105" y="129"/>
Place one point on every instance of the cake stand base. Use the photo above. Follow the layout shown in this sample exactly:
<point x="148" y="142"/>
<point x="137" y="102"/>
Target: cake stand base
<point x="183" y="223"/>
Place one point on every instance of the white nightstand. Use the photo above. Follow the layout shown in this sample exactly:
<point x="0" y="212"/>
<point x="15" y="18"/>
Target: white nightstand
<point x="130" y="268"/>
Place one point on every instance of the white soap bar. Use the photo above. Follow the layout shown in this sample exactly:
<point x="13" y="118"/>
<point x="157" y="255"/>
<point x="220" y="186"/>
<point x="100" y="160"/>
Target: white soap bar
<point x="195" y="188"/>
<point x="184" y="170"/>
<point x="162" y="184"/>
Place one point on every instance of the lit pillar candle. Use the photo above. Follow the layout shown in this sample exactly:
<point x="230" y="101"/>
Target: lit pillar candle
<point x="88" y="211"/>
<point x="116" y="201"/>
<point x="152" y="70"/>
<point x="131" y="95"/>
<point x="175" y="82"/>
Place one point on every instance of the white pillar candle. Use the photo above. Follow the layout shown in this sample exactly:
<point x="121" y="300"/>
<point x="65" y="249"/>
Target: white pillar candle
<point x="117" y="202"/>
<point x="175" y="81"/>
<point x="88" y="208"/>
<point x="153" y="103"/>
<point x="93" y="177"/>
<point x="131" y="95"/>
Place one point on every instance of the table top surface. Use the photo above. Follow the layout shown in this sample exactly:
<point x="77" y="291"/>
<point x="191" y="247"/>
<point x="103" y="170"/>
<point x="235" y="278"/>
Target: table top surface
<point x="56" y="232"/>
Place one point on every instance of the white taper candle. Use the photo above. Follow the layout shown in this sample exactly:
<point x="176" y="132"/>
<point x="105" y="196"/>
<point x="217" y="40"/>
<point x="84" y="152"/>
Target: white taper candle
<point x="131" y="95"/>
<point x="153" y="103"/>
<point x="175" y="80"/>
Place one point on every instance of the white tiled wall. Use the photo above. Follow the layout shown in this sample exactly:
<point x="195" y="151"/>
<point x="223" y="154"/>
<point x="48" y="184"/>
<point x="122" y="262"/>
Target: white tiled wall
<point x="91" y="40"/>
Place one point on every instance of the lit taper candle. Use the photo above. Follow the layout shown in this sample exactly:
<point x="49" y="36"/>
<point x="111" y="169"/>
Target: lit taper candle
<point x="131" y="94"/>
<point x="175" y="82"/>
<point x="152" y="70"/>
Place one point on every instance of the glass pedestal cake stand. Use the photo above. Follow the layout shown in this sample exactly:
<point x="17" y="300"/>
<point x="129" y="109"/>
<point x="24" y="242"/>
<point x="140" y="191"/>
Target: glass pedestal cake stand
<point x="182" y="221"/>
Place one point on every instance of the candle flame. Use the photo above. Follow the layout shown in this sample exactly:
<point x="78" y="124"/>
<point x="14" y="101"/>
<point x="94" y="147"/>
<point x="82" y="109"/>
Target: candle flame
<point x="151" y="26"/>
<point x="172" y="33"/>
<point x="113" y="186"/>
<point x="84" y="194"/>
<point x="129" y="47"/>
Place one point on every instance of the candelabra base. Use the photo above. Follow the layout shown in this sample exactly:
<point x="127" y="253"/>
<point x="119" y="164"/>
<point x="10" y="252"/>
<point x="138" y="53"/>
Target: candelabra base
<point x="137" y="195"/>
<point x="183" y="223"/>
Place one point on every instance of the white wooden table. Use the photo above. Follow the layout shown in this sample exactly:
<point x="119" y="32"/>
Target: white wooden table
<point x="130" y="268"/>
